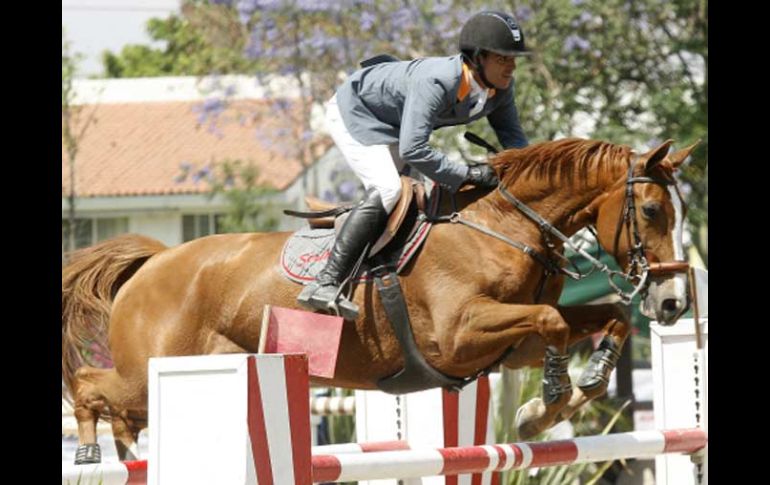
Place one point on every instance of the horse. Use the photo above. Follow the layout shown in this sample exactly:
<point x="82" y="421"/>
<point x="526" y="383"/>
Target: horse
<point x="482" y="290"/>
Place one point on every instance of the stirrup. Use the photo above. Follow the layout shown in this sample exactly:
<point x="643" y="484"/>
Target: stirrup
<point x="304" y="296"/>
<point x="343" y="307"/>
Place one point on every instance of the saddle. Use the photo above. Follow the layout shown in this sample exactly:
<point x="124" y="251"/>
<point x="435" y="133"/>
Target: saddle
<point x="337" y="213"/>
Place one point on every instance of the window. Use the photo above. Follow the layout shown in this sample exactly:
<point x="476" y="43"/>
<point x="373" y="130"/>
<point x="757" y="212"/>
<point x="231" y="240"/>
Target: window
<point x="199" y="225"/>
<point x="91" y="231"/>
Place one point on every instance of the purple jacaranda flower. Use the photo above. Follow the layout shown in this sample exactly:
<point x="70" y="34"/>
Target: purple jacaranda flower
<point x="287" y="69"/>
<point x="641" y="23"/>
<point x="585" y="18"/>
<point x="347" y="189"/>
<point x="281" y="104"/>
<point x="271" y="4"/>
<point x="318" y="5"/>
<point x="328" y="196"/>
<point x="271" y="30"/>
<point x="317" y="39"/>
<point x="265" y="139"/>
<point x="523" y="13"/>
<point x="214" y="129"/>
<point x="442" y="7"/>
<point x="200" y="174"/>
<point x="246" y="8"/>
<point x="254" y="47"/>
<point x="574" y="41"/>
<point x="213" y="105"/>
<point x="367" y="20"/>
<point x="402" y="18"/>
<point x="222" y="2"/>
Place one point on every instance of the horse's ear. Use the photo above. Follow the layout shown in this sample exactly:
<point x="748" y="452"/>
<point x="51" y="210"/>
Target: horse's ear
<point x="656" y="155"/>
<point x="680" y="156"/>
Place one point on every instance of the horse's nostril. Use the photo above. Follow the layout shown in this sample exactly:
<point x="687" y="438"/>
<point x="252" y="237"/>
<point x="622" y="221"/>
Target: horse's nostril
<point x="670" y="305"/>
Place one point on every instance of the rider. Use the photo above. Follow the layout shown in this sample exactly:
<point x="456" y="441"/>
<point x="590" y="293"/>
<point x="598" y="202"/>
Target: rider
<point x="383" y="116"/>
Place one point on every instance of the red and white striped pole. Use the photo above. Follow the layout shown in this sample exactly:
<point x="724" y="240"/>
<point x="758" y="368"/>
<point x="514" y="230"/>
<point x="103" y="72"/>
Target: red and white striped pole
<point x="135" y="472"/>
<point x="119" y="473"/>
<point x="371" y="461"/>
<point x="516" y="456"/>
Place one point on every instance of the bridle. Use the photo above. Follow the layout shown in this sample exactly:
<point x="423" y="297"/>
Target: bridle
<point x="640" y="268"/>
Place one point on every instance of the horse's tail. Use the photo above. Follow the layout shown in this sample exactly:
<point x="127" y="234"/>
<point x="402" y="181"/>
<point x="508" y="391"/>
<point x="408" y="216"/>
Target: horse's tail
<point x="89" y="283"/>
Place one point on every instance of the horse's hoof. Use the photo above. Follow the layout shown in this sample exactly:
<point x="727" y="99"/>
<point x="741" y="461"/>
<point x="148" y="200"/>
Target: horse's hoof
<point x="87" y="454"/>
<point x="528" y="417"/>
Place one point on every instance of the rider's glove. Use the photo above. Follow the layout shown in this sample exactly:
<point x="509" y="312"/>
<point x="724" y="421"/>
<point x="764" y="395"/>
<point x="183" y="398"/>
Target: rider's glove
<point x="482" y="176"/>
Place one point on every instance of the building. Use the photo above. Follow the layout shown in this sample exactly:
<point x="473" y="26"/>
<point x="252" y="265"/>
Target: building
<point x="143" y="159"/>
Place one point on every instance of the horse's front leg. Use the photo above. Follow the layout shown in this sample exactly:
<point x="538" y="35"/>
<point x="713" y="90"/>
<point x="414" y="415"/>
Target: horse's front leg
<point x="585" y="320"/>
<point x="488" y="327"/>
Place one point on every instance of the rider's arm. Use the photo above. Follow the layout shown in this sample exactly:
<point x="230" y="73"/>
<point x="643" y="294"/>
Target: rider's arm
<point x="505" y="121"/>
<point x="426" y="98"/>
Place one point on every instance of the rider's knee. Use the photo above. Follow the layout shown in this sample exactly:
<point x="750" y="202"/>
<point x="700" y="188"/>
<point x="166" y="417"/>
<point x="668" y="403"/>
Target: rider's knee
<point x="390" y="194"/>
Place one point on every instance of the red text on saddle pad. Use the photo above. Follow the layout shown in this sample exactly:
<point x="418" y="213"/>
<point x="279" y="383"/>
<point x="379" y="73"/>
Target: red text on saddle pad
<point x="297" y="331"/>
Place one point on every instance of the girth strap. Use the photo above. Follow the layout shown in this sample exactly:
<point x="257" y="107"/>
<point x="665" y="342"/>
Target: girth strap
<point x="417" y="374"/>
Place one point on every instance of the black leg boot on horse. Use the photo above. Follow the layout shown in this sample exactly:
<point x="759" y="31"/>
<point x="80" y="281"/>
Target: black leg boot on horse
<point x="365" y="223"/>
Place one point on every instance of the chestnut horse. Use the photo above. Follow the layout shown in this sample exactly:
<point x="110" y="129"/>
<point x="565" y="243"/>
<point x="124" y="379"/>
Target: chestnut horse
<point x="473" y="297"/>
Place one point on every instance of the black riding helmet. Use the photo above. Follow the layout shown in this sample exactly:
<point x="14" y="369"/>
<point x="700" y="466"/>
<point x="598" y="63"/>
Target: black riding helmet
<point x="496" y="32"/>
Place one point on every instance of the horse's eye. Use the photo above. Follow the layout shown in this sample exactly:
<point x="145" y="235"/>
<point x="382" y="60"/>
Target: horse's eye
<point x="650" y="210"/>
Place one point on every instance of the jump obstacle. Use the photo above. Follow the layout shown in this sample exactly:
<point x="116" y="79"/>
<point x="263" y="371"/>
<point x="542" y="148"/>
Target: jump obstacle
<point x="275" y="444"/>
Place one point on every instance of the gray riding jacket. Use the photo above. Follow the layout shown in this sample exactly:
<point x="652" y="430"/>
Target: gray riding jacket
<point x="403" y="102"/>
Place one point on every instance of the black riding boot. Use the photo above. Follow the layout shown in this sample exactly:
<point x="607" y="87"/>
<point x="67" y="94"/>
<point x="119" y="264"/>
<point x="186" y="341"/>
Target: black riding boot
<point x="364" y="224"/>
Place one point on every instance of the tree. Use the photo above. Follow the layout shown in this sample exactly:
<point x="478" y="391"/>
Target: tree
<point x="75" y="123"/>
<point x="238" y="183"/>
<point x="189" y="49"/>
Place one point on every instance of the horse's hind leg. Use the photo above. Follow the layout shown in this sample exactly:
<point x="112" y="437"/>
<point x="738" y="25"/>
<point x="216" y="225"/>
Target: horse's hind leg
<point x="125" y="432"/>
<point x="95" y="389"/>
<point x="585" y="320"/>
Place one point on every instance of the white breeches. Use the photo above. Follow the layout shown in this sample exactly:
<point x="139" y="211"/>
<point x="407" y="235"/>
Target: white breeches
<point x="376" y="165"/>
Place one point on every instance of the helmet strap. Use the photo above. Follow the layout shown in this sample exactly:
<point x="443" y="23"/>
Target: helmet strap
<point x="476" y="64"/>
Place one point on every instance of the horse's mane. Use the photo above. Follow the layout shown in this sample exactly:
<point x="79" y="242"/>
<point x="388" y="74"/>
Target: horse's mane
<point x="570" y="159"/>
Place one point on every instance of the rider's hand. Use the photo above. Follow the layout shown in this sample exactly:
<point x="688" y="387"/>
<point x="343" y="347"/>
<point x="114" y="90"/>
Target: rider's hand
<point x="482" y="176"/>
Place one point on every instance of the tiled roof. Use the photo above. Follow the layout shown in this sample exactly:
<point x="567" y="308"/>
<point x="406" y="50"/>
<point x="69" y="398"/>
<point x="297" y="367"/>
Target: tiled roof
<point x="138" y="148"/>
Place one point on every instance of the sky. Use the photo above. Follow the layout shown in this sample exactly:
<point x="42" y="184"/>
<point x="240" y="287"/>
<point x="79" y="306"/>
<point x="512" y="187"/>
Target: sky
<point x="93" y="26"/>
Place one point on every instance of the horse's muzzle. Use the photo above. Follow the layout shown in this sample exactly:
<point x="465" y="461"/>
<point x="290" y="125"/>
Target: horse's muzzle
<point x="667" y="299"/>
